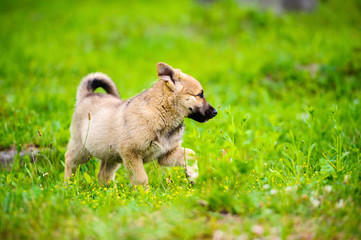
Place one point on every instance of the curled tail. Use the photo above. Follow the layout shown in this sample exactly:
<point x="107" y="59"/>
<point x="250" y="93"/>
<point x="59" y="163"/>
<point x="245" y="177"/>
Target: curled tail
<point x="92" y="82"/>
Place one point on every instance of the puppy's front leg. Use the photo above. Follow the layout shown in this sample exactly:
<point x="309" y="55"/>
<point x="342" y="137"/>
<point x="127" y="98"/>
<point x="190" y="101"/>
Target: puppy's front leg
<point x="135" y="168"/>
<point x="182" y="157"/>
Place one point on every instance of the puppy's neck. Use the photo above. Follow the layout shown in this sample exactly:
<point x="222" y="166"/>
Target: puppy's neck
<point x="167" y="105"/>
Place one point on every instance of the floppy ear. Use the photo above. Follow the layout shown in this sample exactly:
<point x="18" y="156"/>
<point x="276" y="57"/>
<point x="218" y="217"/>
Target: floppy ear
<point x="166" y="73"/>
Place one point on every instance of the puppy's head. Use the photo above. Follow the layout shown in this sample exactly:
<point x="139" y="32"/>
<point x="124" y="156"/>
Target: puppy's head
<point x="188" y="93"/>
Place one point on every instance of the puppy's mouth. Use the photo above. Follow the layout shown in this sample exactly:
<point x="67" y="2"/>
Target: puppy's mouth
<point x="200" y="116"/>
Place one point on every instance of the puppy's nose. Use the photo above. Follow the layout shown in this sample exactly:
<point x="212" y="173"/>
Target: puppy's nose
<point x="214" y="112"/>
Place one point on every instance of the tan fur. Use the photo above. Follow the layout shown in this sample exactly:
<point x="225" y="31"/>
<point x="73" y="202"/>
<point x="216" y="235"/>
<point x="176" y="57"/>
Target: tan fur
<point x="146" y="127"/>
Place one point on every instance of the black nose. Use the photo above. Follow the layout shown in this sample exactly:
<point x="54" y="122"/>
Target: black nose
<point x="214" y="112"/>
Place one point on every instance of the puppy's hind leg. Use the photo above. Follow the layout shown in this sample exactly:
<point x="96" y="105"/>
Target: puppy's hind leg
<point x="107" y="171"/>
<point x="74" y="156"/>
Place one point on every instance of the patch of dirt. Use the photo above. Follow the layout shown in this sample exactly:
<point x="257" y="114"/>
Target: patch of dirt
<point x="7" y="155"/>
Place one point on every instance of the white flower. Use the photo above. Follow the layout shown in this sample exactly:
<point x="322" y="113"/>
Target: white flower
<point x="288" y="189"/>
<point x="315" y="202"/>
<point x="266" y="187"/>
<point x="257" y="229"/>
<point x="218" y="235"/>
<point x="327" y="188"/>
<point x="340" y="204"/>
<point x="273" y="191"/>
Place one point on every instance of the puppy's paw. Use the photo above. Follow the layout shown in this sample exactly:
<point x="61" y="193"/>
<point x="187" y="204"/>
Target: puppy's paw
<point x="192" y="173"/>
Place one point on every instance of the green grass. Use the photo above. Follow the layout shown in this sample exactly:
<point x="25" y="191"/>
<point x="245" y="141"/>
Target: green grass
<point x="281" y="159"/>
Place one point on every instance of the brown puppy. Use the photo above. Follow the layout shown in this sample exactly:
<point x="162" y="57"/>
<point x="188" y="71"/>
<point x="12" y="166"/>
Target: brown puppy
<point x="146" y="127"/>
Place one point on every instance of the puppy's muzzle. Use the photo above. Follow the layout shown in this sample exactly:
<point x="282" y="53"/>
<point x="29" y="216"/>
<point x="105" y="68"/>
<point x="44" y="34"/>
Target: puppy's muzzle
<point x="203" y="114"/>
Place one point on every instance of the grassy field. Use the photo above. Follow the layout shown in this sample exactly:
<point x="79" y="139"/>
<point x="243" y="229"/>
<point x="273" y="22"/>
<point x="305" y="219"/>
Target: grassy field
<point x="280" y="160"/>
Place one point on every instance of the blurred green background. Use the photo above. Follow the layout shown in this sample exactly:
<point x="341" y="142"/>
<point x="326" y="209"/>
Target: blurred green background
<point x="286" y="85"/>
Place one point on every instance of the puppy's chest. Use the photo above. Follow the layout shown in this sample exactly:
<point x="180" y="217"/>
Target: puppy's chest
<point x="164" y="142"/>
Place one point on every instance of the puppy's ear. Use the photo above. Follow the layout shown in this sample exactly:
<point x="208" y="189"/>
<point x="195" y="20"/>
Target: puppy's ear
<point x="166" y="73"/>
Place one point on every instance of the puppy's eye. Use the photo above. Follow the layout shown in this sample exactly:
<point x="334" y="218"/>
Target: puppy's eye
<point x="201" y="94"/>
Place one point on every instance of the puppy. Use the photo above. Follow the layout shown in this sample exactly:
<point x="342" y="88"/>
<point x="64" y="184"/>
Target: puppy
<point x="144" y="128"/>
